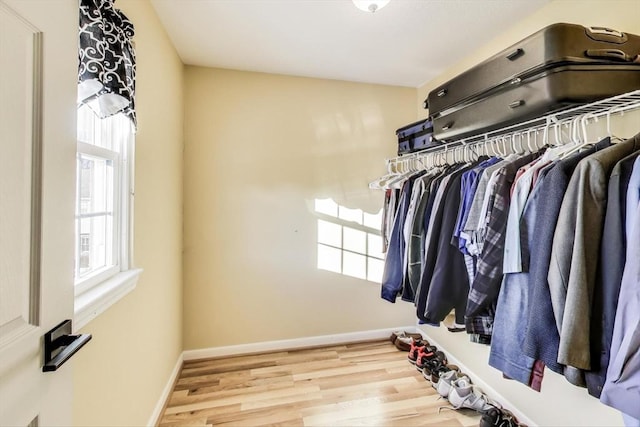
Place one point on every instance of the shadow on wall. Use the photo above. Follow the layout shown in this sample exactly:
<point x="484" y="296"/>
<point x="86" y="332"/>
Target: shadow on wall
<point x="348" y="241"/>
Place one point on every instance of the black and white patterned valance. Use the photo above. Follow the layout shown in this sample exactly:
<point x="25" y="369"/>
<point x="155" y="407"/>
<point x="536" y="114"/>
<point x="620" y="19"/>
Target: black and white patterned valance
<point x="107" y="66"/>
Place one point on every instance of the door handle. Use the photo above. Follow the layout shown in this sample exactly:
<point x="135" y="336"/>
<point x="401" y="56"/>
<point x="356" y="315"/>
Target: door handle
<point x="60" y="345"/>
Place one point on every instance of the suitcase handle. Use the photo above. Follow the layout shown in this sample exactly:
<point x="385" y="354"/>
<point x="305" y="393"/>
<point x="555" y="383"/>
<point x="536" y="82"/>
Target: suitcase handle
<point x="604" y="34"/>
<point x="447" y="126"/>
<point x="612" y="54"/>
<point x="515" y="54"/>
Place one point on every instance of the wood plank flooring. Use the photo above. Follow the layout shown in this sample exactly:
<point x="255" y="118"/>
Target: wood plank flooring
<point x="368" y="383"/>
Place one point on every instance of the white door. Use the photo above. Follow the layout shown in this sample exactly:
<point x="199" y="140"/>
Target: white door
<point x="38" y="68"/>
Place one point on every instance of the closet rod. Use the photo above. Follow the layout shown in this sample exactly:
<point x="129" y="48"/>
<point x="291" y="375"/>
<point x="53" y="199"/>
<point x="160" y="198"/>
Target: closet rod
<point x="605" y="107"/>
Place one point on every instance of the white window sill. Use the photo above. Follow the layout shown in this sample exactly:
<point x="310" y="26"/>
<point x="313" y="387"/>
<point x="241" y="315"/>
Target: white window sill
<point x="99" y="298"/>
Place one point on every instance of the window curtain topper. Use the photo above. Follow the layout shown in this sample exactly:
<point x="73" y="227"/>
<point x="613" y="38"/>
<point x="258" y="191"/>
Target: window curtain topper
<point x="107" y="66"/>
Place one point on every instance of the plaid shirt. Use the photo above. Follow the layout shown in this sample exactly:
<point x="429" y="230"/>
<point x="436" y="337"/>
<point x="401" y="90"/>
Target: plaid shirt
<point x="484" y="291"/>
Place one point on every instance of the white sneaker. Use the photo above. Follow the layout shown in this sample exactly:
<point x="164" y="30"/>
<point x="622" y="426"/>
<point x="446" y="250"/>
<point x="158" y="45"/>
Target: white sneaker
<point x="463" y="394"/>
<point x="446" y="381"/>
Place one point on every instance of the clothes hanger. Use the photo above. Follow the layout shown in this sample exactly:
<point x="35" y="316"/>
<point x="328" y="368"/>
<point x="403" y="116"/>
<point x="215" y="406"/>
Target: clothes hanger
<point x="537" y="144"/>
<point x="381" y="183"/>
<point x="580" y="135"/>
<point x="489" y="148"/>
<point x="505" y="150"/>
<point x="521" y="141"/>
<point x="554" y="151"/>
<point x="557" y="133"/>
<point x="457" y="155"/>
<point x="512" y="145"/>
<point x="397" y="181"/>
<point x="522" y="151"/>
<point x="545" y="134"/>
<point x="399" y="175"/>
<point x="578" y="142"/>
<point x="528" y="133"/>
<point x="378" y="184"/>
<point x="610" y="134"/>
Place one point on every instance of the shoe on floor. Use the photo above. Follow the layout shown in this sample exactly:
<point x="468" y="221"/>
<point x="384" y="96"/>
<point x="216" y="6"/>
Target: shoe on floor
<point x="397" y="334"/>
<point x="463" y="394"/>
<point x="436" y="363"/>
<point x="431" y="358"/>
<point x="416" y="346"/>
<point x="498" y="417"/>
<point x="433" y="375"/>
<point x="403" y="343"/>
<point x="446" y="380"/>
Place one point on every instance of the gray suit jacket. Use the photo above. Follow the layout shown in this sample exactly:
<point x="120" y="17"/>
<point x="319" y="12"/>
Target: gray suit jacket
<point x="622" y="387"/>
<point x="609" y="277"/>
<point x="576" y="244"/>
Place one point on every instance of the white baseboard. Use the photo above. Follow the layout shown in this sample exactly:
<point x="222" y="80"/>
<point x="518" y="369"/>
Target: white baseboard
<point x="166" y="392"/>
<point x="477" y="379"/>
<point x="265" y="346"/>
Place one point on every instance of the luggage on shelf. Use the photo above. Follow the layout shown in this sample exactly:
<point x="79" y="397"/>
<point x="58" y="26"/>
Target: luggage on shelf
<point x="560" y="66"/>
<point x="415" y="137"/>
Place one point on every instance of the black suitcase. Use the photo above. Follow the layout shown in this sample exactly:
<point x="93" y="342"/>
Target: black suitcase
<point x="415" y="137"/>
<point x="553" y="90"/>
<point x="554" y="47"/>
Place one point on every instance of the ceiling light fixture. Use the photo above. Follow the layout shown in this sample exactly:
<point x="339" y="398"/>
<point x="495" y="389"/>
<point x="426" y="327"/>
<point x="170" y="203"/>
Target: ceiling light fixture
<point x="370" y="5"/>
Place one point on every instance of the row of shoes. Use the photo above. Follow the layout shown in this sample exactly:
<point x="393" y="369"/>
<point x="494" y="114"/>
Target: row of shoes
<point x="450" y="382"/>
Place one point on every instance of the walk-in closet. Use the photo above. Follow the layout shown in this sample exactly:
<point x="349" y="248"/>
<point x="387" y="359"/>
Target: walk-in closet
<point x="320" y="212"/>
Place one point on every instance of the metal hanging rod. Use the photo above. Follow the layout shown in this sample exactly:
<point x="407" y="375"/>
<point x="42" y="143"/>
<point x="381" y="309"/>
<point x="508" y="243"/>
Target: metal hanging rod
<point x="605" y="107"/>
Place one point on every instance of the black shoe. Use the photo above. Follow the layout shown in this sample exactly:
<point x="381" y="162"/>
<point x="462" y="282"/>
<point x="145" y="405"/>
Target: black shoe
<point x="497" y="417"/>
<point x="430" y="356"/>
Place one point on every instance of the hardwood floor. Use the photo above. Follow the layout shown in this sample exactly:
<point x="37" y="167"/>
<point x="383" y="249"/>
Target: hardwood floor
<point x="357" y="384"/>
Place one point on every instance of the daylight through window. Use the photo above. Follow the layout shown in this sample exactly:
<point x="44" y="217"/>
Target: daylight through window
<point x="349" y="241"/>
<point x="101" y="224"/>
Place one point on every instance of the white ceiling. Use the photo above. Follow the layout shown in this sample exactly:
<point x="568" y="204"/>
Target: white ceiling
<point x="407" y="43"/>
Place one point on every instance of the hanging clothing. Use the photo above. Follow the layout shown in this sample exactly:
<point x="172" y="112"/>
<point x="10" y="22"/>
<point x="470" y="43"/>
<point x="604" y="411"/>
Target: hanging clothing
<point x="448" y="284"/>
<point x="448" y="183"/>
<point x="415" y="245"/>
<point x="486" y="285"/>
<point x="470" y="228"/>
<point x="622" y="387"/>
<point x="576" y="243"/>
<point x="416" y="192"/>
<point x="610" y="269"/>
<point x="469" y="187"/>
<point x="428" y="220"/>
<point x="506" y="352"/>
<point x="392" y="275"/>
<point x="548" y="285"/>
<point x="541" y="337"/>
<point x="388" y="216"/>
<point x="520" y="192"/>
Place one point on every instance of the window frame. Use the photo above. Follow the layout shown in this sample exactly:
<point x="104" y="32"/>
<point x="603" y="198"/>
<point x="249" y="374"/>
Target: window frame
<point x="346" y="223"/>
<point x="103" y="288"/>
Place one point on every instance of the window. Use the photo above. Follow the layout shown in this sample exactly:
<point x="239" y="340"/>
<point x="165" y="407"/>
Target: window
<point x="104" y="202"/>
<point x="349" y="241"/>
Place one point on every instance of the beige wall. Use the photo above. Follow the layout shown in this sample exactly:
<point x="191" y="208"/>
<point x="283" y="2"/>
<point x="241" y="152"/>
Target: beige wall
<point x="120" y="374"/>
<point x="577" y="407"/>
<point x="259" y="149"/>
